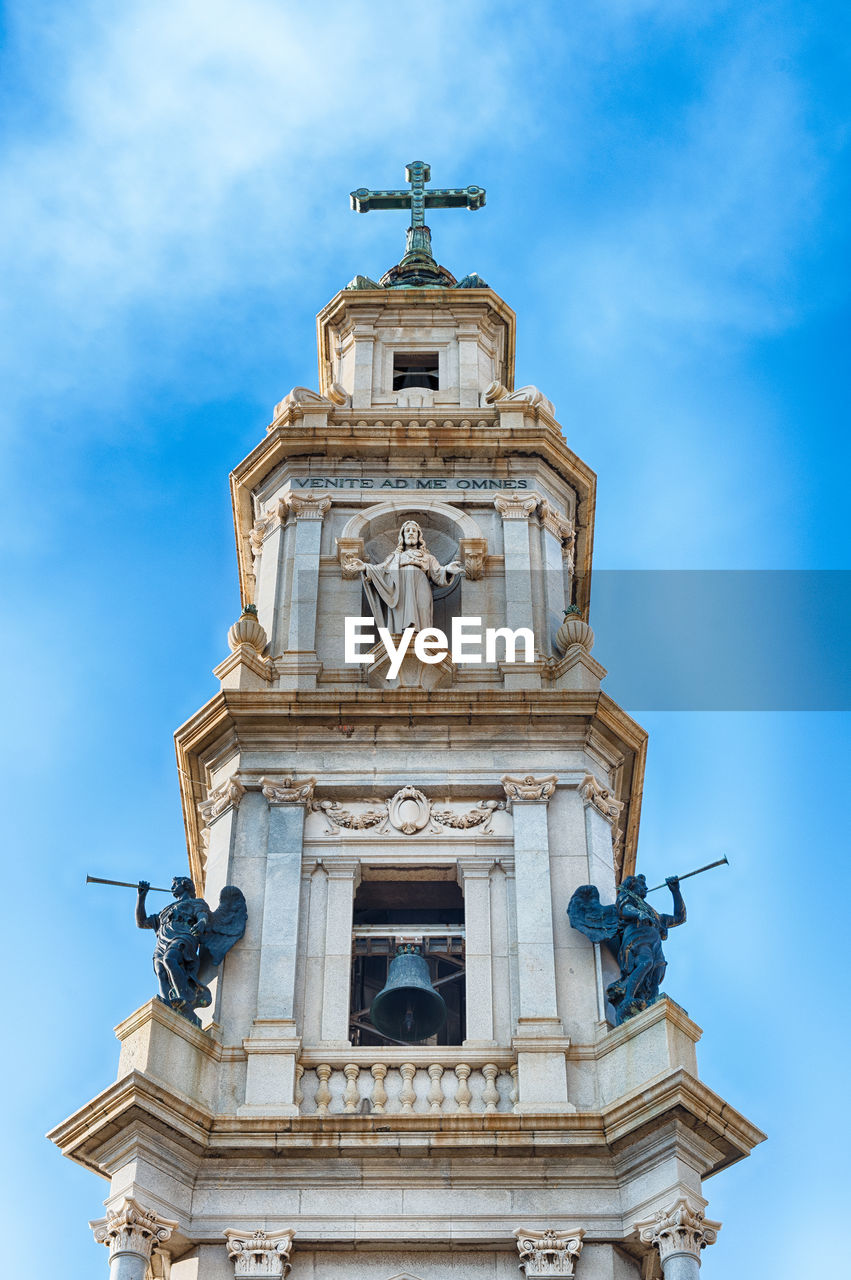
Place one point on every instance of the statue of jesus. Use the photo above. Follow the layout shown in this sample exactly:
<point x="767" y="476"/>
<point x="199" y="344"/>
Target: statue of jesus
<point x="402" y="582"/>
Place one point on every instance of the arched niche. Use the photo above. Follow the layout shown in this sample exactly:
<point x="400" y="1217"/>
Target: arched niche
<point x="448" y="531"/>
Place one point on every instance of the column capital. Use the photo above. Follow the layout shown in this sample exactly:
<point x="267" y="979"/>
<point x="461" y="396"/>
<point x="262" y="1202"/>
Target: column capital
<point x="220" y="799"/>
<point x="312" y="505"/>
<point x="602" y="799"/>
<point x="529" y="790"/>
<point x="342" y="869"/>
<point x="131" y="1228"/>
<point x="260" y="1253"/>
<point x="473" y="866"/>
<point x="559" y="525"/>
<point x="681" y="1229"/>
<point x="549" y="1253"/>
<point x="516" y="506"/>
<point x="285" y="790"/>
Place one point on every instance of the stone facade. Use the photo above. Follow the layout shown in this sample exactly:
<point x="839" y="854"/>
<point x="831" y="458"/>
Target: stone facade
<point x="268" y="1140"/>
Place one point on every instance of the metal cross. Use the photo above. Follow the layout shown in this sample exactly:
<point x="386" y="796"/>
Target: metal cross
<point x="418" y="199"/>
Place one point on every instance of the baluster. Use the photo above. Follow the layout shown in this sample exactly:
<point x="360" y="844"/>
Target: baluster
<point x="435" y="1091"/>
<point x="323" y="1093"/>
<point x="514" y="1096"/>
<point x="379" y="1093"/>
<point x="351" y="1097"/>
<point x="299" y="1092"/>
<point x="408" y="1097"/>
<point x="490" y="1097"/>
<point x="462" y="1093"/>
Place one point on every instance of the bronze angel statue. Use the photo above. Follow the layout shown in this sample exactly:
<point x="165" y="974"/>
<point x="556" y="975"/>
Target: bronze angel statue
<point x="192" y="941"/>
<point x="634" y="932"/>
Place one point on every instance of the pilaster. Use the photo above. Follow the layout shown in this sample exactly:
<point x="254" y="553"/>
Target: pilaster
<point x="515" y="510"/>
<point x="343" y="880"/>
<point x="539" y="1040"/>
<point x="298" y="666"/>
<point x="273" y="1045"/>
<point x="474" y="875"/>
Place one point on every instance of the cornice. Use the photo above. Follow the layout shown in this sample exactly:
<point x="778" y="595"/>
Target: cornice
<point x="679" y="1094"/>
<point x="375" y="434"/>
<point x="236" y="715"/>
<point x="138" y="1100"/>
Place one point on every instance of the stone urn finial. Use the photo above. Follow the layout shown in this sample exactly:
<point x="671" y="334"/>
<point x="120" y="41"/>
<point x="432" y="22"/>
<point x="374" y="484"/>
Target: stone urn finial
<point x="574" y="630"/>
<point x="247" y="630"/>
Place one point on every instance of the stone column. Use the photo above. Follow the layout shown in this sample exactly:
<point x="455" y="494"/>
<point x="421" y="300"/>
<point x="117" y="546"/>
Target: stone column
<point x="679" y="1233"/>
<point x="273" y="1045"/>
<point x="474" y="876"/>
<point x="259" y="1253"/>
<point x="343" y="880"/>
<point x="515" y="510"/>
<point x="549" y="1253"/>
<point x="132" y="1233"/>
<point x="540" y="1041"/>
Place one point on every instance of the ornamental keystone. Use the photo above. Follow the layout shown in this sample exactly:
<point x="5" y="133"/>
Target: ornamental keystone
<point x="682" y="1229"/>
<point x="131" y="1228"/>
<point x="262" y="1253"/>
<point x="549" y="1253"/>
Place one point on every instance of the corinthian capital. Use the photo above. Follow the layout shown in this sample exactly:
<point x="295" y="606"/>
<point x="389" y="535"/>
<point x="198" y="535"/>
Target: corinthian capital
<point x="305" y="506"/>
<point x="262" y="1253"/>
<point x="285" y="790"/>
<point x="131" y="1228"/>
<point x="548" y="1253"/>
<point x="529" y="790"/>
<point x="682" y="1229"/>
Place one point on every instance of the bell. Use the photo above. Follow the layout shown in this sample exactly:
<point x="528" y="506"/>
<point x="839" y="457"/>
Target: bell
<point x="408" y="1007"/>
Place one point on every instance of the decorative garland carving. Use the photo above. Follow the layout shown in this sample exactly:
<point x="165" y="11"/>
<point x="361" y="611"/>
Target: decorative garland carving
<point x="480" y="815"/>
<point x="407" y="812"/>
<point x="339" y="817"/>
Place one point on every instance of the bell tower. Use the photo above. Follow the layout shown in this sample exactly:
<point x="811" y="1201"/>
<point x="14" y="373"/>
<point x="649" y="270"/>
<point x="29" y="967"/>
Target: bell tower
<point x="409" y="1065"/>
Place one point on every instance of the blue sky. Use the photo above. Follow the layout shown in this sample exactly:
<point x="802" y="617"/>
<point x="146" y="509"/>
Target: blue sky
<point x="667" y="193"/>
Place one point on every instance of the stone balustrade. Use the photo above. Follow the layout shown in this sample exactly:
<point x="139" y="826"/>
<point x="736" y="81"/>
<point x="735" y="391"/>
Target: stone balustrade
<point x="413" y="1087"/>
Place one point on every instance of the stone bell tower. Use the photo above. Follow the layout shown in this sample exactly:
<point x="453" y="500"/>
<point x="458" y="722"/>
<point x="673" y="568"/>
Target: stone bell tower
<point x="444" y="813"/>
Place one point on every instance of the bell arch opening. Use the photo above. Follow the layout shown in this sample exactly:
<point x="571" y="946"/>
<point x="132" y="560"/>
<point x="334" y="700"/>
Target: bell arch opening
<point x="418" y="922"/>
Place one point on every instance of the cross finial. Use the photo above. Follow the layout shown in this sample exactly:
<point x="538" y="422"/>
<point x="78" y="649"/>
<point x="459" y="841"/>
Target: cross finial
<point x="418" y="263"/>
<point x="418" y="173"/>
